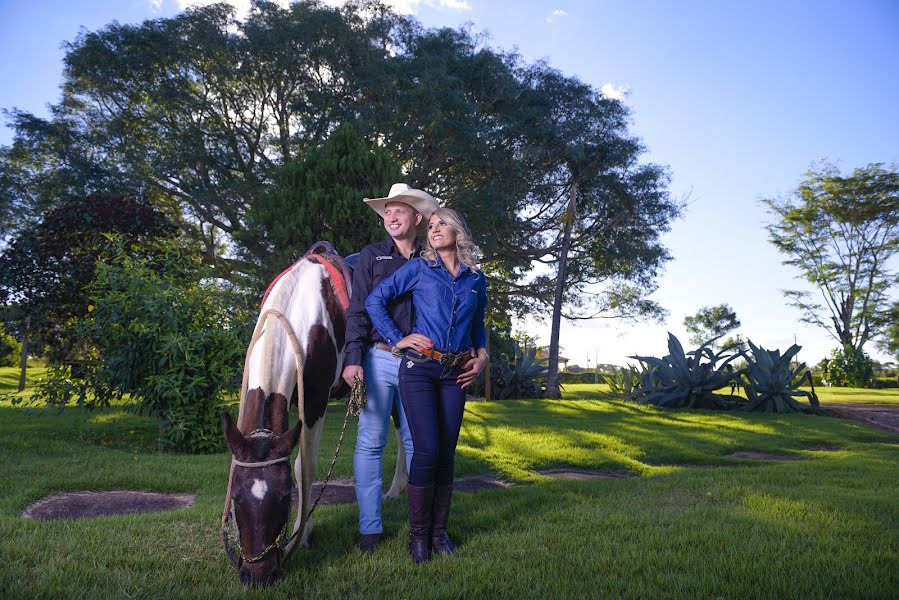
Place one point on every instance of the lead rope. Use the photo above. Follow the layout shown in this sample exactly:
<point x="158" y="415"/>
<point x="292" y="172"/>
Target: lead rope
<point x="358" y="398"/>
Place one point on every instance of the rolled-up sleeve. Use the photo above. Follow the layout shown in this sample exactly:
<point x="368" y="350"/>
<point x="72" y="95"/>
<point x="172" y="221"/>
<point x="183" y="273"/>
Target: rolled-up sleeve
<point x="478" y="329"/>
<point x="394" y="286"/>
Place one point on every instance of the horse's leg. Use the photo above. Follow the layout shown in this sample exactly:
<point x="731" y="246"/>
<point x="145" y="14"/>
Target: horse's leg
<point x="400" y="473"/>
<point x="304" y="470"/>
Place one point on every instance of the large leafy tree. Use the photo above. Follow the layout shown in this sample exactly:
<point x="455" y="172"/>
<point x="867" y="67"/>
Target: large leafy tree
<point x="204" y="109"/>
<point x="209" y="113"/>
<point x="595" y="218"/>
<point x="841" y="233"/>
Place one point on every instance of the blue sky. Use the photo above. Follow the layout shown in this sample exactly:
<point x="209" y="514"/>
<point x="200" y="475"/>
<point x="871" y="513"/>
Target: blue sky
<point x="737" y="98"/>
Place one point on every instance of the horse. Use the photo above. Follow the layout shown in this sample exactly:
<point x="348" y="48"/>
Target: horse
<point x="294" y="357"/>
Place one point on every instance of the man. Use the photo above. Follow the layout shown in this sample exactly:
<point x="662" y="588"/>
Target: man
<point x="369" y="358"/>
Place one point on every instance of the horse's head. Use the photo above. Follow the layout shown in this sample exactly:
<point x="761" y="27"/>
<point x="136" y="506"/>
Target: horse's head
<point x="261" y="487"/>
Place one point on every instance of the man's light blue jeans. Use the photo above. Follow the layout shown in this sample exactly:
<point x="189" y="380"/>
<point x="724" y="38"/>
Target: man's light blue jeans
<point x="382" y="380"/>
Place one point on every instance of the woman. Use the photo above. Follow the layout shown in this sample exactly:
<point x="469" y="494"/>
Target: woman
<point x="441" y="357"/>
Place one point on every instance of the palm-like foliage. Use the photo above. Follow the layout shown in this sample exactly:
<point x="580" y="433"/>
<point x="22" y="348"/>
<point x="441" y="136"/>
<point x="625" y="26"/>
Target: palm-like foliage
<point x="772" y="382"/>
<point x="682" y="380"/>
<point x="519" y="377"/>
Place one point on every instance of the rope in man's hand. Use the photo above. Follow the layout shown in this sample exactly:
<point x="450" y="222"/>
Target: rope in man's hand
<point x="358" y="397"/>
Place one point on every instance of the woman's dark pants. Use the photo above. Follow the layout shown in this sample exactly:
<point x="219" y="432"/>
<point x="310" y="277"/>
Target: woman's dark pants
<point x="434" y="405"/>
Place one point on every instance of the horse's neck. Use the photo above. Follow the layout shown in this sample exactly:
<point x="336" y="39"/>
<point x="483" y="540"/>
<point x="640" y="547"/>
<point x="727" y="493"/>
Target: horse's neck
<point x="265" y="411"/>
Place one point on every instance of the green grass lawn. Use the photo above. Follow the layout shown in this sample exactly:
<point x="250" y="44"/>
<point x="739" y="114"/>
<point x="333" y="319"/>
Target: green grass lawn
<point x="826" y="395"/>
<point x="690" y="523"/>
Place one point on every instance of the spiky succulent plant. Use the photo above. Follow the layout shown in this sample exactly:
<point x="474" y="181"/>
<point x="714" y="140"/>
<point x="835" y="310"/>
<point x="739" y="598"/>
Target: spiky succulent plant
<point x="682" y="380"/>
<point x="772" y="383"/>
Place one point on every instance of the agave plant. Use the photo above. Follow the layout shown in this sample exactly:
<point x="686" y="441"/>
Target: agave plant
<point x="682" y="380"/>
<point x="624" y="380"/>
<point x="519" y="377"/>
<point x="772" y="383"/>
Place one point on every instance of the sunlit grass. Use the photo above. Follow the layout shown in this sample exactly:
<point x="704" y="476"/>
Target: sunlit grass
<point x="825" y="394"/>
<point x="689" y="523"/>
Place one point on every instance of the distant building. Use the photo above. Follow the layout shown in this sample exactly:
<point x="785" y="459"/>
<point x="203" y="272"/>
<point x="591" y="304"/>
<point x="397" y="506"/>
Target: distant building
<point x="543" y="352"/>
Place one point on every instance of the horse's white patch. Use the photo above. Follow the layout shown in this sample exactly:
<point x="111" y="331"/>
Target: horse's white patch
<point x="259" y="489"/>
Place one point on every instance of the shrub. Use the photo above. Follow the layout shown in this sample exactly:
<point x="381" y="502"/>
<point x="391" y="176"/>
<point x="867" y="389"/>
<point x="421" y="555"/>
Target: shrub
<point x="682" y="380"/>
<point x="771" y="382"/>
<point x="848" y="367"/>
<point x="10" y="349"/>
<point x="170" y="339"/>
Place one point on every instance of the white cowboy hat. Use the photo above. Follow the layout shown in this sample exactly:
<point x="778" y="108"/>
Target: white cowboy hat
<point x="420" y="200"/>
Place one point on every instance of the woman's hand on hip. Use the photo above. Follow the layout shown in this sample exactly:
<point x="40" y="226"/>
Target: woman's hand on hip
<point x="416" y="341"/>
<point x="471" y="370"/>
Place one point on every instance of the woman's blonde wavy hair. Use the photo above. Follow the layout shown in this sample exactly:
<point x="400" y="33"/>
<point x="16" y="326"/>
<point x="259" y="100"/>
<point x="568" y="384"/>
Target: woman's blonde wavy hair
<point x="466" y="249"/>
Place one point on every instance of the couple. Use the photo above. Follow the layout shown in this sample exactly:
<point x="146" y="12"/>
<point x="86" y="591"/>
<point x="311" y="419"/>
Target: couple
<point x="416" y="336"/>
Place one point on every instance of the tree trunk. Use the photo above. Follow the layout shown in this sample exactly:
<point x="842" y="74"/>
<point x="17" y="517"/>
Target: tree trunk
<point x="23" y="360"/>
<point x="552" y="379"/>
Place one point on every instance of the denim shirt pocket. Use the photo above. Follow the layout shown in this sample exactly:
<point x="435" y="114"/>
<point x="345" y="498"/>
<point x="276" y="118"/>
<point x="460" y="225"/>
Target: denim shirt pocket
<point x="432" y="292"/>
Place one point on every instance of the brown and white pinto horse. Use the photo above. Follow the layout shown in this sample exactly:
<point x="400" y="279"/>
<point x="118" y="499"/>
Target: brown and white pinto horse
<point x="300" y="330"/>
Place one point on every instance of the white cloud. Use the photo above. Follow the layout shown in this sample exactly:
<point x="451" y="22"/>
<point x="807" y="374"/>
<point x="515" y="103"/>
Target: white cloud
<point x="615" y="92"/>
<point x="155" y="5"/>
<point x="556" y="13"/>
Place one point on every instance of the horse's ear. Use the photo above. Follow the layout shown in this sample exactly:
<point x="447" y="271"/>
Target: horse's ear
<point x="285" y="442"/>
<point x="236" y="441"/>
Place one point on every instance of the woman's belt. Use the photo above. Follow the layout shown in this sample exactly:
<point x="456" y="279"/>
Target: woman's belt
<point x="448" y="359"/>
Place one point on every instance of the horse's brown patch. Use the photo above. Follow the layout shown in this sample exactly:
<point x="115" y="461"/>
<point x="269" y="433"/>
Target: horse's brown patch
<point x="318" y="373"/>
<point x="270" y="411"/>
<point x="335" y="312"/>
<point x="77" y="505"/>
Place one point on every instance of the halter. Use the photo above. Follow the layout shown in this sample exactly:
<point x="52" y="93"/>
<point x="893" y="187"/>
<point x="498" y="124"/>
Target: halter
<point x="278" y="544"/>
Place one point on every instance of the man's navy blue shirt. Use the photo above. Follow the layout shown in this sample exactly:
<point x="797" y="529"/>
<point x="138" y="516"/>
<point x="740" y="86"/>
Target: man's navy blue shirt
<point x="376" y="262"/>
<point x="449" y="310"/>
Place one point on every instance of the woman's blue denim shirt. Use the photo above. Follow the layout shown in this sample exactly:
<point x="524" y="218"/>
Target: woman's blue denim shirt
<point x="449" y="310"/>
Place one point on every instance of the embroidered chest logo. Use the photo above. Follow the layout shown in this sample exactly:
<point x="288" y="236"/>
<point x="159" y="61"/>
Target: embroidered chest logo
<point x="383" y="258"/>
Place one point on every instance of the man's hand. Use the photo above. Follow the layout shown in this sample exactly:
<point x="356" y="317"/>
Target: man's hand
<point x="416" y="341"/>
<point x="471" y="370"/>
<point x="351" y="372"/>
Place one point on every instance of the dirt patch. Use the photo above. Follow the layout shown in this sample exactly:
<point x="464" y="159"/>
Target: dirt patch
<point x="77" y="505"/>
<point x="750" y="455"/>
<point x="343" y="492"/>
<point x="584" y="475"/>
<point x="878" y="416"/>
<point x="479" y="483"/>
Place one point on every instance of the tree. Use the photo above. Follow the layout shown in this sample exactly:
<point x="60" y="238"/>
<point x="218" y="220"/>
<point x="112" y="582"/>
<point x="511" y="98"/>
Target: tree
<point x="46" y="269"/>
<point x="201" y="109"/>
<point x="841" y="233"/>
<point x="319" y="197"/>
<point x="711" y="322"/>
<point x="596" y="215"/>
